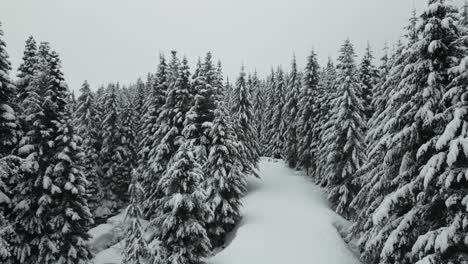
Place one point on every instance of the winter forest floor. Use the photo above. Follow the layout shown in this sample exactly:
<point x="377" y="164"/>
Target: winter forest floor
<point x="286" y="219"/>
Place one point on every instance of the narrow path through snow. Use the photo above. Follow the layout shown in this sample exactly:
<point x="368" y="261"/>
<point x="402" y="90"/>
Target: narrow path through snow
<point x="286" y="221"/>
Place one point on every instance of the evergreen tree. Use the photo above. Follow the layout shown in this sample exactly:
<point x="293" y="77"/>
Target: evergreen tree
<point x="291" y="111"/>
<point x="308" y="116"/>
<point x="9" y="130"/>
<point x="226" y="183"/>
<point x="114" y="177"/>
<point x="171" y="121"/>
<point x="417" y="222"/>
<point x="136" y="249"/>
<point x="128" y="144"/>
<point x="50" y="211"/>
<point x="258" y="109"/>
<point x="325" y="99"/>
<point x="86" y="120"/>
<point x="369" y="77"/>
<point x="180" y="226"/>
<point x="345" y="136"/>
<point x="26" y="69"/>
<point x="275" y="127"/>
<point x="199" y="118"/>
<point x="243" y="122"/>
<point x="149" y="140"/>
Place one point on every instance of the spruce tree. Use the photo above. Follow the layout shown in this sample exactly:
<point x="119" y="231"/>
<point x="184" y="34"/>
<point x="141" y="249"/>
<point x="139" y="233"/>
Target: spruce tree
<point x="150" y="139"/>
<point x="86" y="120"/>
<point x="199" y="118"/>
<point x="369" y="78"/>
<point x="243" y="122"/>
<point x="226" y="182"/>
<point x="180" y="226"/>
<point x="308" y="116"/>
<point x="135" y="247"/>
<point x="345" y="136"/>
<point x="9" y="130"/>
<point x="51" y="214"/>
<point x="291" y="112"/>
<point x="111" y="153"/>
<point x="276" y="125"/>
<point x="26" y="69"/>
<point x="417" y="222"/>
<point x="171" y="125"/>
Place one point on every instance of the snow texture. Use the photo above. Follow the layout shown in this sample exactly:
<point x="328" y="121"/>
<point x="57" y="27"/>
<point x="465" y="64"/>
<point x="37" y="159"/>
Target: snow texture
<point x="302" y="231"/>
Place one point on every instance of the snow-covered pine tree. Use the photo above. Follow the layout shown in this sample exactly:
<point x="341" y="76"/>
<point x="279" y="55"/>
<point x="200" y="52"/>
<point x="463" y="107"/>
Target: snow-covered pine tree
<point x="244" y="127"/>
<point x="291" y="110"/>
<point x="86" y="120"/>
<point x="308" y="116"/>
<point x="26" y="69"/>
<point x="149" y="139"/>
<point x="226" y="183"/>
<point x="270" y="101"/>
<point x="275" y="126"/>
<point x="9" y="130"/>
<point x="258" y="106"/>
<point x="111" y="153"/>
<point x="345" y="136"/>
<point x="417" y="222"/>
<point x="135" y="249"/>
<point x="327" y="93"/>
<point x="368" y="76"/>
<point x="128" y="143"/>
<point x="50" y="213"/>
<point x="67" y="217"/>
<point x="199" y="118"/>
<point x="171" y="124"/>
<point x="180" y="226"/>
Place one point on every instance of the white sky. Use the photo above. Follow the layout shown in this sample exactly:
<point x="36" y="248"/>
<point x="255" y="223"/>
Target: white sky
<point x="115" y="40"/>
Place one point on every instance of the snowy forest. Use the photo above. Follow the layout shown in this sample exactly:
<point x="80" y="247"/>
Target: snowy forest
<point x="174" y="153"/>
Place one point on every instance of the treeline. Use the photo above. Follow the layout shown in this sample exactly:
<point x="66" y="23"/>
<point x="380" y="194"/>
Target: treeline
<point x="388" y="143"/>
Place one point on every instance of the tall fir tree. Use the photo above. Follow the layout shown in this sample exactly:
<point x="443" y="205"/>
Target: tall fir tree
<point x="111" y="154"/>
<point x="275" y="127"/>
<point x="308" y="116"/>
<point x="327" y="94"/>
<point x="368" y="76"/>
<point x="50" y="213"/>
<point x="135" y="249"/>
<point x="180" y="226"/>
<point x="199" y="118"/>
<point x="345" y="137"/>
<point x="291" y="112"/>
<point x="26" y="69"/>
<point x="226" y="183"/>
<point x="243" y="122"/>
<point x="171" y="121"/>
<point x="86" y="120"/>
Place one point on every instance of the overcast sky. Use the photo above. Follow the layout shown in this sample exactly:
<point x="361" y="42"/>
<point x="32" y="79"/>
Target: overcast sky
<point x="116" y="40"/>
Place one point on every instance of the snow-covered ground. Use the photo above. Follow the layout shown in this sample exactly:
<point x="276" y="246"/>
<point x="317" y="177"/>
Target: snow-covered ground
<point x="286" y="220"/>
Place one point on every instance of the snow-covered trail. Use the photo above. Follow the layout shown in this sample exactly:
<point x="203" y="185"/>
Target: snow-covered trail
<point x="286" y="220"/>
